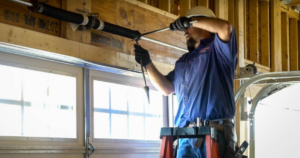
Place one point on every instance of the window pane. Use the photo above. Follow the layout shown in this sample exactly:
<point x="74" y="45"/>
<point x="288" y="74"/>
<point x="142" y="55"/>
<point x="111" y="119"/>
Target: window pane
<point x="153" y="126"/>
<point x="136" y="128"/>
<point x="127" y="123"/>
<point x="118" y="97"/>
<point x="119" y="126"/>
<point x="10" y="120"/>
<point x="102" y="128"/>
<point x="101" y="95"/>
<point x="155" y="106"/>
<point x="47" y="104"/>
<point x="136" y="98"/>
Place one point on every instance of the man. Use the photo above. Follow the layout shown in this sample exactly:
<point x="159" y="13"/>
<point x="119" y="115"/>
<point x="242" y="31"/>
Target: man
<point x="202" y="78"/>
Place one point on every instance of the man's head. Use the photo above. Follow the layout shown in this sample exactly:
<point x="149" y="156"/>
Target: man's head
<point x="194" y="35"/>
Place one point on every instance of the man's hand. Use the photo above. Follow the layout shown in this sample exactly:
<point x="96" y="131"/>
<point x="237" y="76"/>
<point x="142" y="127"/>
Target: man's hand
<point x="141" y="54"/>
<point x="181" y="24"/>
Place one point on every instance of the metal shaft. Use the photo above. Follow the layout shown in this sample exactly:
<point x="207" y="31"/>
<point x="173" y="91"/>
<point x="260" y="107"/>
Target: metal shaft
<point x="160" y="30"/>
<point x="28" y="4"/>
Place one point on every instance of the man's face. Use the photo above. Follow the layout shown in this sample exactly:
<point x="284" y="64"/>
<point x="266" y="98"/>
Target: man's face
<point x="193" y="35"/>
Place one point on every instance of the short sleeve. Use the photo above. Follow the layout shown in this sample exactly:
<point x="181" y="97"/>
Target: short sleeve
<point x="170" y="76"/>
<point x="227" y="50"/>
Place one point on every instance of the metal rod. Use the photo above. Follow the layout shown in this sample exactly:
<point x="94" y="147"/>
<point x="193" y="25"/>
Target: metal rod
<point x="143" y="72"/>
<point x="164" y="44"/>
<point x="160" y="30"/>
<point x="265" y="76"/>
<point x="28" y="4"/>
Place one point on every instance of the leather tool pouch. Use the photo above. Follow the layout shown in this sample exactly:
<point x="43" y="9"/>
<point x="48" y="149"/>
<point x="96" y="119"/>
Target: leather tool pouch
<point x="230" y="140"/>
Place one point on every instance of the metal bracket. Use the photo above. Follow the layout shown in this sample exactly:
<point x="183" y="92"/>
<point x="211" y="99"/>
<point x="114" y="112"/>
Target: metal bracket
<point x="90" y="149"/>
<point x="213" y="133"/>
<point x="93" y="15"/>
<point x="250" y="69"/>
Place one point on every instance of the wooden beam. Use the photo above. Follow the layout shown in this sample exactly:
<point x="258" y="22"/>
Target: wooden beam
<point x="246" y="25"/>
<point x="289" y="10"/>
<point x="298" y="45"/>
<point x="260" y="68"/>
<point x="240" y="32"/>
<point x="185" y="5"/>
<point x="293" y="31"/>
<point x="144" y="1"/>
<point x="165" y="5"/>
<point x="204" y="3"/>
<point x="231" y="12"/>
<point x="265" y="33"/>
<point x="275" y="35"/>
<point x="153" y="9"/>
<point x="194" y="3"/>
<point x="18" y="15"/>
<point x="32" y="39"/>
<point x="294" y="3"/>
<point x="67" y="32"/>
<point x="285" y="41"/>
<point x="253" y="22"/>
<point x="221" y="9"/>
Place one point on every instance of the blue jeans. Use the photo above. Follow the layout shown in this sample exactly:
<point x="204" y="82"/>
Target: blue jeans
<point x="187" y="149"/>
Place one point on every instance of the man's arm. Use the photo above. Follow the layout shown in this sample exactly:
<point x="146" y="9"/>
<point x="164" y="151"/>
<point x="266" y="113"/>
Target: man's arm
<point x="221" y="27"/>
<point x="159" y="81"/>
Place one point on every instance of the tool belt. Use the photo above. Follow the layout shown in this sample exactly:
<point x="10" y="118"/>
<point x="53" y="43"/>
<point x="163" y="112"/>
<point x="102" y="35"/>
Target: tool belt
<point x="227" y="127"/>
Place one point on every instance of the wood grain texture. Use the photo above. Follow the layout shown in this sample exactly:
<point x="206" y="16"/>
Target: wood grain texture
<point x="204" y="3"/>
<point x="67" y="32"/>
<point x="285" y="46"/>
<point x="18" y="15"/>
<point x="131" y="16"/>
<point x="293" y="40"/>
<point x="253" y="30"/>
<point x="185" y="5"/>
<point x="264" y="33"/>
<point x="221" y="9"/>
<point x="165" y="5"/>
<point x="291" y="13"/>
<point x="41" y="41"/>
<point x="275" y="36"/>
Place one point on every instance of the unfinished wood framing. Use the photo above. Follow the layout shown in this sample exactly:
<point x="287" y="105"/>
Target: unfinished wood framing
<point x="185" y="5"/>
<point x="298" y="45"/>
<point x="264" y="33"/>
<point x="134" y="17"/>
<point x="221" y="9"/>
<point x="204" y="3"/>
<point x="239" y="12"/>
<point x="18" y="15"/>
<point x="41" y="41"/>
<point x="165" y="5"/>
<point x="275" y="35"/>
<point x="285" y="41"/>
<point x="66" y="30"/>
<point x="289" y="10"/>
<point x="194" y="3"/>
<point x="231" y="11"/>
<point x="293" y="36"/>
<point x="144" y="1"/>
<point x="253" y="28"/>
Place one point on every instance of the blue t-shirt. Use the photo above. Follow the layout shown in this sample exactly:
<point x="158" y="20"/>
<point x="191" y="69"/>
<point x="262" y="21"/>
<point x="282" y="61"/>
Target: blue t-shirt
<point x="203" y="81"/>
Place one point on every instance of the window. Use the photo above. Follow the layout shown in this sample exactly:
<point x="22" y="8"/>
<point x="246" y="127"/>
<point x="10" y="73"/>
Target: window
<point x="123" y="112"/>
<point x="37" y="104"/>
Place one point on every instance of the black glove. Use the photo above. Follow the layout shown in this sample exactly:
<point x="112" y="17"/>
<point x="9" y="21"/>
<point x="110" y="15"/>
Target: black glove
<point x="141" y="54"/>
<point x="181" y="24"/>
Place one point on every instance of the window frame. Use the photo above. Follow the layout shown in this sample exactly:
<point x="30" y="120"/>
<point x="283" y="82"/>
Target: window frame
<point x="28" y="63"/>
<point x="128" y="81"/>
